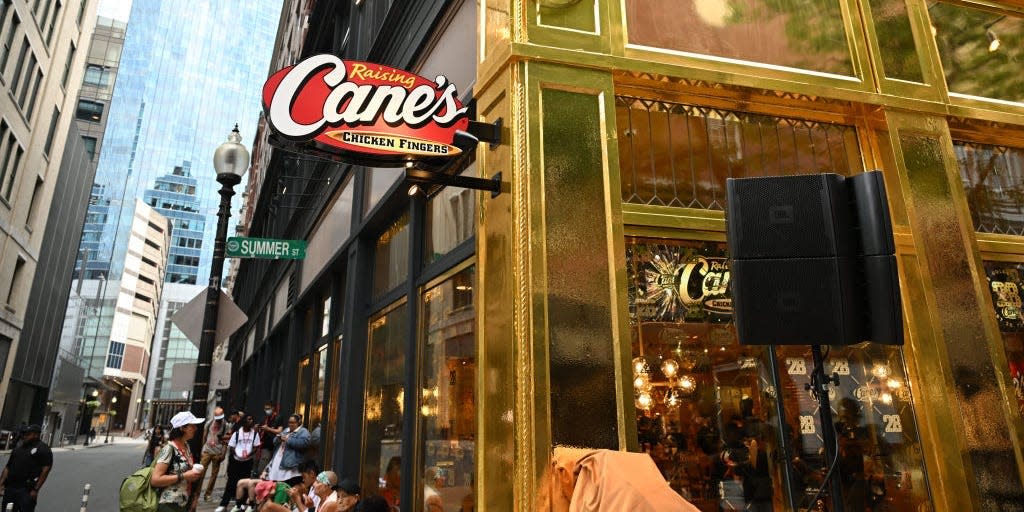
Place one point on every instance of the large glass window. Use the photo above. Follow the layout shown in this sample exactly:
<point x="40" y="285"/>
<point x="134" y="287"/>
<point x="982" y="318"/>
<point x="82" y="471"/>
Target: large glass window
<point x="980" y="50"/>
<point x="384" y="403"/>
<point x="671" y="154"/>
<point x="708" y="409"/>
<point x="319" y="369"/>
<point x="896" y="40"/>
<point x="302" y="390"/>
<point x="1006" y="283"/>
<point x="993" y="179"/>
<point x="378" y="181"/>
<point x="447" y="398"/>
<point x="449" y="219"/>
<point x="793" y="33"/>
<point x="91" y="111"/>
<point x="115" y="355"/>
<point x="391" y="258"/>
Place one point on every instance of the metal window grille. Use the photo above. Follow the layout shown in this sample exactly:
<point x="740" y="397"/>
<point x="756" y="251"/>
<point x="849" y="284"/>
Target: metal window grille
<point x="673" y="154"/>
<point x="993" y="179"/>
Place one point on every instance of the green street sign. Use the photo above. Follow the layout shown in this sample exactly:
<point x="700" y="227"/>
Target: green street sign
<point x="268" y="248"/>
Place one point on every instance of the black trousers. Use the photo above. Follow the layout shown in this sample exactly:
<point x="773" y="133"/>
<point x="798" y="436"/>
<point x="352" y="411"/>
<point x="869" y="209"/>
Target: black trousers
<point x="237" y="470"/>
<point x="23" y="501"/>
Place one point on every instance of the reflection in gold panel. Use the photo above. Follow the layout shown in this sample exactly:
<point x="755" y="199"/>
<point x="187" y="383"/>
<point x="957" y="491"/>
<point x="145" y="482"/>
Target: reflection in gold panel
<point x="791" y="33"/>
<point x="895" y="38"/>
<point x="963" y="330"/>
<point x="501" y="346"/>
<point x="581" y="344"/>
<point x="580" y="16"/>
<point x="981" y="50"/>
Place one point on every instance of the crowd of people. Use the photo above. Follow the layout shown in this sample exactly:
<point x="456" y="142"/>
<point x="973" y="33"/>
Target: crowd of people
<point x="269" y="468"/>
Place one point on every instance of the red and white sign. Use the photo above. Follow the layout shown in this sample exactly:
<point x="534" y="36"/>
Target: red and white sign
<point x="386" y="115"/>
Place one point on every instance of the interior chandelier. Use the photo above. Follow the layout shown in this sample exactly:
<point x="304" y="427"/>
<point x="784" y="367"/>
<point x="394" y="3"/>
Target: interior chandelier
<point x="669" y="392"/>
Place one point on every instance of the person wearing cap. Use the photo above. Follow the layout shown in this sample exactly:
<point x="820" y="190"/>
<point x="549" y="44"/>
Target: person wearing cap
<point x="175" y="472"/>
<point x="272" y="496"/>
<point x="348" y="494"/>
<point x="26" y="471"/>
<point x="324" y="488"/>
<point x="214" y="449"/>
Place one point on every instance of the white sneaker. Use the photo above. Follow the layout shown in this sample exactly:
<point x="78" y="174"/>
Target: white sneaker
<point x="219" y="509"/>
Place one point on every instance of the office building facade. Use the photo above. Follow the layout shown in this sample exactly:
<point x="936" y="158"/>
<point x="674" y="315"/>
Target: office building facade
<point x="41" y="65"/>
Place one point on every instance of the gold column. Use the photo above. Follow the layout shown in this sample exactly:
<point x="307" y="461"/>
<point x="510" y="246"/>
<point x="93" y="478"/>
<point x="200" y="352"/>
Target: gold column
<point x="551" y="281"/>
<point x="954" y="348"/>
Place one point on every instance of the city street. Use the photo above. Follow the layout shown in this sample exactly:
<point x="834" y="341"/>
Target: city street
<point x="102" y="466"/>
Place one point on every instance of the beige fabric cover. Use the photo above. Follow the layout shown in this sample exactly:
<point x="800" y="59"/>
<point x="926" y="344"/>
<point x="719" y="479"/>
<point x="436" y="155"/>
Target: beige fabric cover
<point x="613" y="481"/>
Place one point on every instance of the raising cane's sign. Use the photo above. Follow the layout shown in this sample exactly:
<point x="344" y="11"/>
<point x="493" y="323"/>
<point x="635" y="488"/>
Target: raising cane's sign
<point x="376" y="114"/>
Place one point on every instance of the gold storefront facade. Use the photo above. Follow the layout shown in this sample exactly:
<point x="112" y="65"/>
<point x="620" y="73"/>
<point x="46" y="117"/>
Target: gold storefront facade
<point x="601" y="271"/>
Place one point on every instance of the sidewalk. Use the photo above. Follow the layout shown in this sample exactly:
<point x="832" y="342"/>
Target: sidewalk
<point x="98" y="442"/>
<point x="95" y="444"/>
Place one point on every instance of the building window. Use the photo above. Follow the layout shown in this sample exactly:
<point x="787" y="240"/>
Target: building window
<point x="81" y="12"/>
<point x="90" y="146"/>
<point x="16" y="276"/>
<point x="449" y="219"/>
<point x="391" y="259"/>
<point x="88" y="110"/>
<point x="67" y="65"/>
<point x="97" y="76"/>
<point x="19" y="68"/>
<point x="8" y="42"/>
<point x="1006" y="284"/>
<point x="325" y="317"/>
<point x="9" y="166"/>
<point x="674" y="154"/>
<point x="993" y="180"/>
<point x="384" y="403"/>
<point x="51" y="22"/>
<point x="447" y="393"/>
<point x="33" y="204"/>
<point x="35" y="92"/>
<point x="701" y="396"/>
<point x="116" y="355"/>
<point x="302" y="390"/>
<point x="978" y="47"/>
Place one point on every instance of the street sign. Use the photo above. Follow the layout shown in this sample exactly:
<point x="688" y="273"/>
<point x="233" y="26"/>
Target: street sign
<point x="189" y="318"/>
<point x="268" y="248"/>
<point x="183" y="376"/>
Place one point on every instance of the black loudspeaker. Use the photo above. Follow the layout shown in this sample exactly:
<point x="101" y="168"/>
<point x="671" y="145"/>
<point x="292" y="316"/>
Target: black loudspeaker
<point x="812" y="260"/>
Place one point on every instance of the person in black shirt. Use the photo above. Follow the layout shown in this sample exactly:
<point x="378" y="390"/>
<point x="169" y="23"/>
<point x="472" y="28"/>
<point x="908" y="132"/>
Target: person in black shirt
<point x="26" y="471"/>
<point x="269" y="429"/>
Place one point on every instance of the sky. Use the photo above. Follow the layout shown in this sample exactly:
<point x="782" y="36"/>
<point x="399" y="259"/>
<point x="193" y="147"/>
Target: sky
<point x="116" y="9"/>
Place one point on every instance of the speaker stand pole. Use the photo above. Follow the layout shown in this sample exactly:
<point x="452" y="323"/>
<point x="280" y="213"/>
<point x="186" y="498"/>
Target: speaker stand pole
<point x="820" y="384"/>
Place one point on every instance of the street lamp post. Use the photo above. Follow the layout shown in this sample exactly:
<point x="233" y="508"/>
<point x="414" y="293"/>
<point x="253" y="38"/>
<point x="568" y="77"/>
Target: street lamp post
<point x="95" y="393"/>
<point x="113" y="400"/>
<point x="230" y="160"/>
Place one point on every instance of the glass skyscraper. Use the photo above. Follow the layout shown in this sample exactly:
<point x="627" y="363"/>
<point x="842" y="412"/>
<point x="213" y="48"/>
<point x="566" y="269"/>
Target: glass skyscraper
<point x="188" y="71"/>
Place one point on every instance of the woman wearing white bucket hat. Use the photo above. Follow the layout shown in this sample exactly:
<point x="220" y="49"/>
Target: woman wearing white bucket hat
<point x="175" y="470"/>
